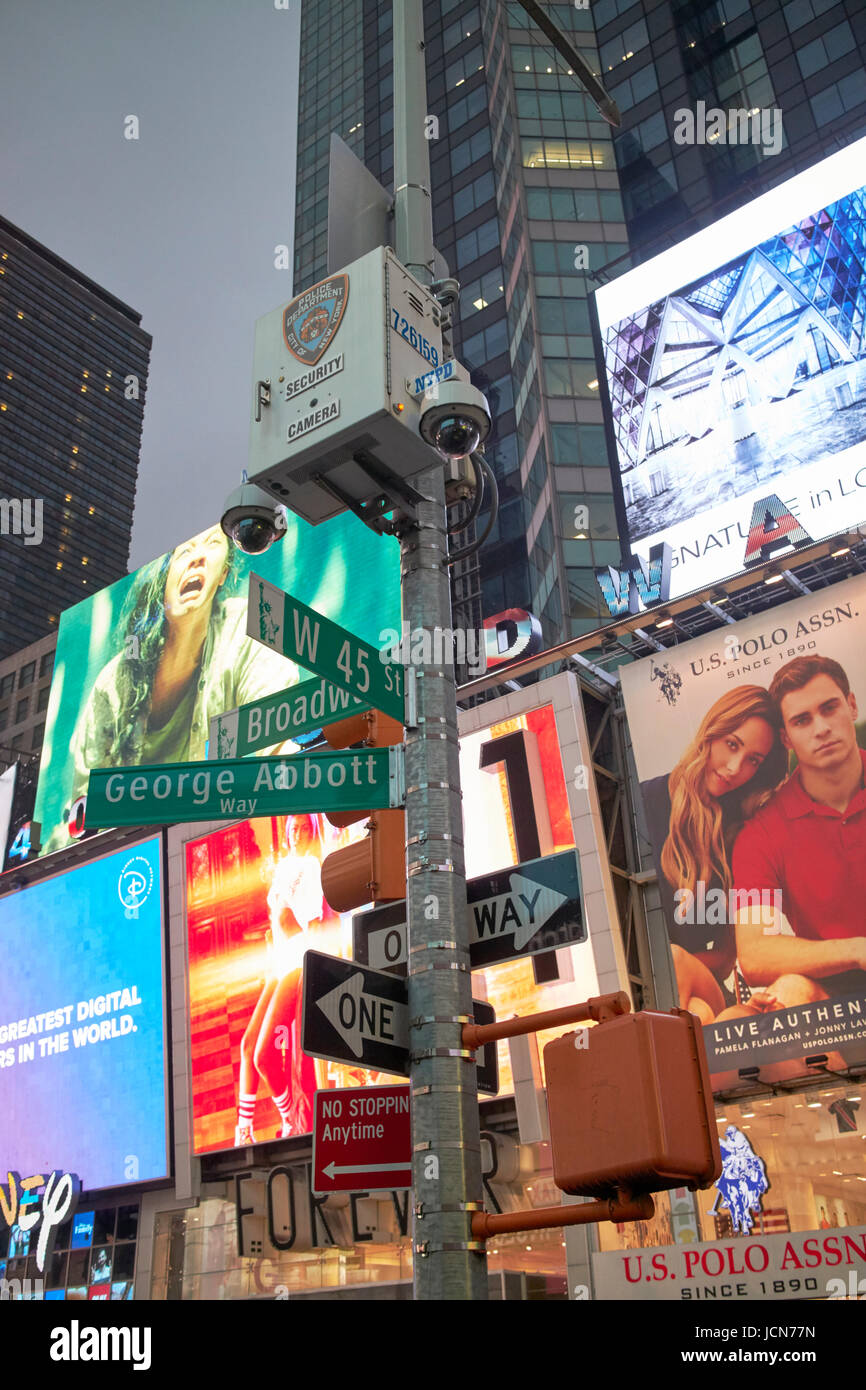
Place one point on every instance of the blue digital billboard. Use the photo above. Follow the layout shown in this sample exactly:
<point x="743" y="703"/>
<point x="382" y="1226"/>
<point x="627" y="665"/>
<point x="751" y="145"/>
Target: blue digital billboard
<point x="82" y="1026"/>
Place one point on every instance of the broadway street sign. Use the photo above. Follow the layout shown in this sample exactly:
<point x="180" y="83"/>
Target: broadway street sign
<point x="299" y="710"/>
<point x="298" y="632"/>
<point x="361" y="1017"/>
<point x="243" y="787"/>
<point x="516" y="912"/>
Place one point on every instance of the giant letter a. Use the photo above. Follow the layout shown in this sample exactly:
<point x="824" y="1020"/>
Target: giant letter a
<point x="772" y="530"/>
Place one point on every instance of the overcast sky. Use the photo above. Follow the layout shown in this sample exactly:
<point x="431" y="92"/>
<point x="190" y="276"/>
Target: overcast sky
<point x="180" y="224"/>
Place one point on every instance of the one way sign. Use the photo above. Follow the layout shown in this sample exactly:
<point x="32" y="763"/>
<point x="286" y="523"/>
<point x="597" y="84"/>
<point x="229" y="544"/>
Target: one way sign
<point x="533" y="907"/>
<point x="355" y="1015"/>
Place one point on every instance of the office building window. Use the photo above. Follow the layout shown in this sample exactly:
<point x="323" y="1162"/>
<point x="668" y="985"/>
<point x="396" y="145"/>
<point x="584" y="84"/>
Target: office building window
<point x="38" y="735"/>
<point x="830" y="46"/>
<point x="28" y="673"/>
<point x="800" y="12"/>
<point x="7" y="684"/>
<point x="46" y="664"/>
<point x="842" y="96"/>
<point x="43" y="698"/>
<point x="21" y="710"/>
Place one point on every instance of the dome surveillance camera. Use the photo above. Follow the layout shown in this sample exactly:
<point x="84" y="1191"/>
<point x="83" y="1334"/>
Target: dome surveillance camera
<point x="253" y="520"/>
<point x="455" y="419"/>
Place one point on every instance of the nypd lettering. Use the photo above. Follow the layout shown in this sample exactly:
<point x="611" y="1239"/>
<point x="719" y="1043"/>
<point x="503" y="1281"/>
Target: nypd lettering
<point x="307" y="380"/>
<point x="312" y="420"/>
<point x="431" y="379"/>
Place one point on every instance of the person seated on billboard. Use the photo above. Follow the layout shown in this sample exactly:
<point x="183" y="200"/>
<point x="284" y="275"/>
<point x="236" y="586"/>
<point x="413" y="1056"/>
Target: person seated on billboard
<point x="809" y="842"/>
<point x="271" y="1044"/>
<point x="184" y="657"/>
<point x="729" y="769"/>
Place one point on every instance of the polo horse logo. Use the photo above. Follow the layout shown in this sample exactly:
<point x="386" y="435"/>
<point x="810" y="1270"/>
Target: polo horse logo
<point x="743" y="1181"/>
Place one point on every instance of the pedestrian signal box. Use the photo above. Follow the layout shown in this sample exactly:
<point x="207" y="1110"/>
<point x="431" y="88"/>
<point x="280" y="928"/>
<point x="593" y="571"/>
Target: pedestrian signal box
<point x="630" y="1106"/>
<point x="372" y="869"/>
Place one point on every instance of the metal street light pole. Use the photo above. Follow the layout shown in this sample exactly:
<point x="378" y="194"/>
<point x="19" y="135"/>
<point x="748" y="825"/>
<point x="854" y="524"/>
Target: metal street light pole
<point x="448" y="1263"/>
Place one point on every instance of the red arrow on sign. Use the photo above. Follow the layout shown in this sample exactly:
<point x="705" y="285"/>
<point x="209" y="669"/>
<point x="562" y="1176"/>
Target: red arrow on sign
<point x="362" y="1140"/>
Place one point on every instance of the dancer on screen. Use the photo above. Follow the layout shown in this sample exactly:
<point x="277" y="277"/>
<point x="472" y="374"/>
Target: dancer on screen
<point x="271" y="1045"/>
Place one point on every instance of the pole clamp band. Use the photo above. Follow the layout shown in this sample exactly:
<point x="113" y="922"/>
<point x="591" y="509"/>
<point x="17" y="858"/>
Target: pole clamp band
<point x="433" y="835"/>
<point x="425" y="786"/>
<point x="429" y="1090"/>
<point x="422" y="1209"/>
<point x="434" y="946"/>
<point x="423" y="1019"/>
<point x="445" y="1144"/>
<point x="425" y="866"/>
<point x="428" y="1052"/>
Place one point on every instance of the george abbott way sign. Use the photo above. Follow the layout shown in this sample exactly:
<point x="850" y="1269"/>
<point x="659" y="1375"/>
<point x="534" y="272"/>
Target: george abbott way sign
<point x="289" y="627"/>
<point x="172" y="792"/>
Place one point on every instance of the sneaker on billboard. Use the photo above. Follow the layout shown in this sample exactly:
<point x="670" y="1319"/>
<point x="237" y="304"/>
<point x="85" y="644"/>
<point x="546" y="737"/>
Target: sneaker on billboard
<point x="244" y="1135"/>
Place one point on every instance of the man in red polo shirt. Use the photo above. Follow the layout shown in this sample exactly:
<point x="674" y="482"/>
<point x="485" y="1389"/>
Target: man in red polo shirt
<point x="809" y="842"/>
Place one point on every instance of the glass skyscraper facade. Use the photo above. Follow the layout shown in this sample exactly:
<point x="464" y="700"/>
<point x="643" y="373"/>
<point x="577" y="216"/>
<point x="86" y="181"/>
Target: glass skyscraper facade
<point x="537" y="200"/>
<point x="73" y="373"/>
<point x="803" y="59"/>
<point x="525" y="207"/>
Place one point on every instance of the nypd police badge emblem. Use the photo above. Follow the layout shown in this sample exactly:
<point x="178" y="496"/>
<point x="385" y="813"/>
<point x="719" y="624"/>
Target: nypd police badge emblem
<point x="311" y="321"/>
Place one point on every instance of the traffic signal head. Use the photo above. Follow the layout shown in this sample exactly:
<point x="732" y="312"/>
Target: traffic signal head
<point x="373" y="869"/>
<point x="630" y="1106"/>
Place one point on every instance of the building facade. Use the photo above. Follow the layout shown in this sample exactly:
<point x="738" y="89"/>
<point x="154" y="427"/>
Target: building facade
<point x="525" y="206"/>
<point x="795" y="68"/>
<point x="73" y="373"/>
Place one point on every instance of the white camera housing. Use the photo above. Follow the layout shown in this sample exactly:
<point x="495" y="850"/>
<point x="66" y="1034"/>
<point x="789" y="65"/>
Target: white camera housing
<point x="340" y="374"/>
<point x="252" y="519"/>
<point x="455" y="418"/>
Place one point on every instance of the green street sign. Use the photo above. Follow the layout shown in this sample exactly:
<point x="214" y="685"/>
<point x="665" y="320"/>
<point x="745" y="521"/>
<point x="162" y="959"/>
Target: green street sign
<point x="290" y="713"/>
<point x="289" y="627"/>
<point x="363" y="780"/>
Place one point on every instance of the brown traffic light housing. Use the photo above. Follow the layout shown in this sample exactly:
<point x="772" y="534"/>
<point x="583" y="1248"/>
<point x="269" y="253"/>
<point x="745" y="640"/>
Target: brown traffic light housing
<point x="374" y="869"/>
<point x="630" y="1106"/>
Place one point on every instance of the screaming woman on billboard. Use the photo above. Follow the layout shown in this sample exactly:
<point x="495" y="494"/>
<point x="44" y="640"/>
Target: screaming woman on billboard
<point x="183" y="656"/>
<point x="727" y="773"/>
<point x="271" y="1045"/>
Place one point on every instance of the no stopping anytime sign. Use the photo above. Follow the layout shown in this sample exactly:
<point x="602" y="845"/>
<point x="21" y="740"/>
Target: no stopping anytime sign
<point x="362" y="1140"/>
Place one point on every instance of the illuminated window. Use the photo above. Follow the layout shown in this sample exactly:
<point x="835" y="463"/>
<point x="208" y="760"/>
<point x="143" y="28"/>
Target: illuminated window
<point x="20" y="314"/>
<point x="84" y="560"/>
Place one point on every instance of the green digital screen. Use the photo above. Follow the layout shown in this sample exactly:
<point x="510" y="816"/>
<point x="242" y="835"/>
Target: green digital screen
<point x="143" y="665"/>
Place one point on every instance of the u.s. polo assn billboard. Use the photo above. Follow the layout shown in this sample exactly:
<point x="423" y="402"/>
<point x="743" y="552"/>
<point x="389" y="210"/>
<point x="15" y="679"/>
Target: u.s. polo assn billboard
<point x="749" y="746"/>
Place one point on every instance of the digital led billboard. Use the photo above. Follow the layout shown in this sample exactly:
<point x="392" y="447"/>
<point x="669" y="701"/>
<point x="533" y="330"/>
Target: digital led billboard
<point x="143" y="666"/>
<point x="254" y="905"/>
<point x="735" y="378"/>
<point x="82" y="1044"/>
<point x="749" y="745"/>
